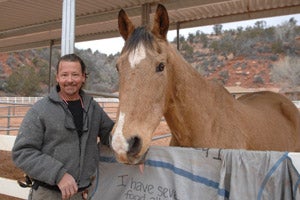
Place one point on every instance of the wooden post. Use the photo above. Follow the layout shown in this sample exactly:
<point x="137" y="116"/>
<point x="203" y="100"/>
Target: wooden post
<point x="177" y="34"/>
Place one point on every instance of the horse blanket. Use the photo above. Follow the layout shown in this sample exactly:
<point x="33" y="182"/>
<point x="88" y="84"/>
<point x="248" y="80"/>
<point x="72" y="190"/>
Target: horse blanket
<point x="175" y="173"/>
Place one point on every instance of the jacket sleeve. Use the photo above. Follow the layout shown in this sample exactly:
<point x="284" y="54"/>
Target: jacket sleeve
<point x="27" y="151"/>
<point x="106" y="126"/>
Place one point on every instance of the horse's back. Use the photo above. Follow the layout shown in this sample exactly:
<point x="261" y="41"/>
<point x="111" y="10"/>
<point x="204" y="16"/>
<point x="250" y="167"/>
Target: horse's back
<point x="272" y="100"/>
<point x="278" y="108"/>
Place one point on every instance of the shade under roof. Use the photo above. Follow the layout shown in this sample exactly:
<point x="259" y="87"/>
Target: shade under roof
<point x="34" y="23"/>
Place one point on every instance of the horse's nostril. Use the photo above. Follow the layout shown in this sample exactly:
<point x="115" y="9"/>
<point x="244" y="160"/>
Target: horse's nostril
<point x="109" y="139"/>
<point x="135" y="145"/>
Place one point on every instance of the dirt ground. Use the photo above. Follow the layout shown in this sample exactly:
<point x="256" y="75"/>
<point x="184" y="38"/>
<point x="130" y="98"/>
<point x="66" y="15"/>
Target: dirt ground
<point x="9" y="170"/>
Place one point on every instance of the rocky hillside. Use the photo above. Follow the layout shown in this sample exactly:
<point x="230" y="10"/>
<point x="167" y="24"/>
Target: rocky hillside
<point x="26" y="73"/>
<point x="241" y="57"/>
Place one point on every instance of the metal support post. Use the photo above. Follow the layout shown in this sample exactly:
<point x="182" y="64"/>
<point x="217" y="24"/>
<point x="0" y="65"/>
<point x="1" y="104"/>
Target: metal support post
<point x="68" y="27"/>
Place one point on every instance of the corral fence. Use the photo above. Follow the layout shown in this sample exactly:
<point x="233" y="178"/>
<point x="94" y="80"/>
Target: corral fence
<point x="13" y="110"/>
<point x="11" y="116"/>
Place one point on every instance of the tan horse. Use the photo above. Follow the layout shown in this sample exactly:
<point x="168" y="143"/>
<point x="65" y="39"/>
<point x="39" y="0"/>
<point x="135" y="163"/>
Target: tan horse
<point x="156" y="81"/>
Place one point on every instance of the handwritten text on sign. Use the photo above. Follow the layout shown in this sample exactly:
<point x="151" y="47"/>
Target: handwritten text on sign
<point x="137" y="190"/>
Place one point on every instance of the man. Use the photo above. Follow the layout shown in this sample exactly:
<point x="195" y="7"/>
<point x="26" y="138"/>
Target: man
<point x="57" y="142"/>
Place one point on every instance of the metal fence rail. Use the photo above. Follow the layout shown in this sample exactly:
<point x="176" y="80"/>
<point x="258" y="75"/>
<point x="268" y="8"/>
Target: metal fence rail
<point x="13" y="110"/>
<point x="11" y="116"/>
<point x="32" y="100"/>
<point x="19" y="100"/>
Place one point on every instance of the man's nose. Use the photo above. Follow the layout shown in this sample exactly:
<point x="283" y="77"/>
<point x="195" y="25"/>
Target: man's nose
<point x="69" y="78"/>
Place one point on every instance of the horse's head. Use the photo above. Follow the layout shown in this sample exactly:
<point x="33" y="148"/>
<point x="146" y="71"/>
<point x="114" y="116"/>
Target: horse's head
<point x="142" y="68"/>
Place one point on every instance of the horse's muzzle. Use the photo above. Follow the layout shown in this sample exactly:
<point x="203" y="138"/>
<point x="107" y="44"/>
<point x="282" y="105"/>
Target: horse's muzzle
<point x="134" y="150"/>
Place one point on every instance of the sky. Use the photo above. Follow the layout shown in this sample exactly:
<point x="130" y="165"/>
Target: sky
<point x="114" y="45"/>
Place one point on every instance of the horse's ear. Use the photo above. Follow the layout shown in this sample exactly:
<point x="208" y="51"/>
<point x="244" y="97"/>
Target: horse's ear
<point x="161" y="22"/>
<point x="125" y="25"/>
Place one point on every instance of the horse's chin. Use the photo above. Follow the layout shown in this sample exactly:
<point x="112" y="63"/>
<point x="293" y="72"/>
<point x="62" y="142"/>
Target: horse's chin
<point x="132" y="159"/>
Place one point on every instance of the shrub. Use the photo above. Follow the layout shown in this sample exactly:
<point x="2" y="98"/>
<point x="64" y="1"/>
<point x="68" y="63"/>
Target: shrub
<point x="287" y="72"/>
<point x="23" y="81"/>
<point x="258" y="79"/>
<point x="224" y="75"/>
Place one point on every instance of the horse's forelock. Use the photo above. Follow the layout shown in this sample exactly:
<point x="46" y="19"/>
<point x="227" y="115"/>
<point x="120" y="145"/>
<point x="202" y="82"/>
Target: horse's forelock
<point x="139" y="35"/>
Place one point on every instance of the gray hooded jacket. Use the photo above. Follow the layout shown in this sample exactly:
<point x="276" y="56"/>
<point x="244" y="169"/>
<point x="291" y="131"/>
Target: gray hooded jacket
<point x="48" y="145"/>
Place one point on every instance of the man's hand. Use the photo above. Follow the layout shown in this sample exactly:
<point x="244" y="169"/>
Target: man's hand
<point x="67" y="186"/>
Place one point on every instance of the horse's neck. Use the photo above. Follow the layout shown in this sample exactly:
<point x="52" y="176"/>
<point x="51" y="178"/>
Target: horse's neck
<point x="189" y="88"/>
<point x="191" y="97"/>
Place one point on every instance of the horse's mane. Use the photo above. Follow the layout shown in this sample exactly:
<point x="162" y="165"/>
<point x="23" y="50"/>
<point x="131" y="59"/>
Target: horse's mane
<point x="139" y="35"/>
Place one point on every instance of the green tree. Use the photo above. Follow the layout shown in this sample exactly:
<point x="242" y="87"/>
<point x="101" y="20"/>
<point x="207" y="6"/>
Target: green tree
<point x="23" y="81"/>
<point x="191" y="38"/>
<point x="260" y="24"/>
<point x="204" y="39"/>
<point x="43" y="69"/>
<point x="218" y="29"/>
<point x="187" y="50"/>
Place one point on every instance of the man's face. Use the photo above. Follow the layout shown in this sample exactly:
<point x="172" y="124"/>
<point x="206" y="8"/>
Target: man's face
<point x="70" y="78"/>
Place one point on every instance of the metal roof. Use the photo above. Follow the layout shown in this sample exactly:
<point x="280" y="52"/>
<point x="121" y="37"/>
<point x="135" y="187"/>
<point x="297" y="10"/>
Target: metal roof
<point x="26" y="24"/>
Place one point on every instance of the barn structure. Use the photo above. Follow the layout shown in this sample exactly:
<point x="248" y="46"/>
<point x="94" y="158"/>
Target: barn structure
<point x="38" y="23"/>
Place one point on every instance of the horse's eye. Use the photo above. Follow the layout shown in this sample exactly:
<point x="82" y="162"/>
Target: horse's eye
<point x="117" y="67"/>
<point x="160" y="67"/>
